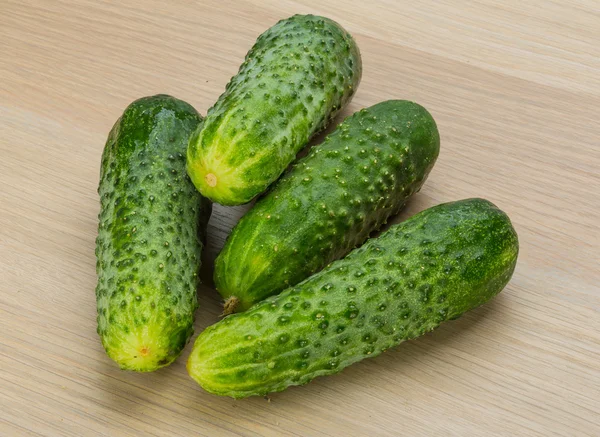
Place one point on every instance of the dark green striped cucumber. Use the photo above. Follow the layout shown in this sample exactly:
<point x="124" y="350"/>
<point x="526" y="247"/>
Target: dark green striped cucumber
<point x="294" y="80"/>
<point x="151" y="225"/>
<point x="431" y="268"/>
<point x="329" y="202"/>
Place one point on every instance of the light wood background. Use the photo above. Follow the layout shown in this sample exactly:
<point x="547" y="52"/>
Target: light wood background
<point x="515" y="88"/>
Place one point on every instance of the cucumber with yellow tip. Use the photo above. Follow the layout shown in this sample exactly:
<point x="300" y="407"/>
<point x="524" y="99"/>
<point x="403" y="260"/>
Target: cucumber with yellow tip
<point x="431" y="268"/>
<point x="151" y="225"/>
<point x="295" y="79"/>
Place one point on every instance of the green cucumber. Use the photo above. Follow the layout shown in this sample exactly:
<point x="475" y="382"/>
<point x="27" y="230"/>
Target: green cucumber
<point x="294" y="80"/>
<point x="151" y="225"/>
<point x="329" y="202"/>
<point x="431" y="268"/>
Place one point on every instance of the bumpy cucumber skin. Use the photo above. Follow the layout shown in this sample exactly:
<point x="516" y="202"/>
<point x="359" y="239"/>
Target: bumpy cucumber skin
<point x="294" y="80"/>
<point x="431" y="268"/>
<point x="329" y="202"/>
<point x="151" y="226"/>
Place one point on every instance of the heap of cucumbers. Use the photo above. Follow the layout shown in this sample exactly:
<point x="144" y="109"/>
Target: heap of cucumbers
<point x="306" y="291"/>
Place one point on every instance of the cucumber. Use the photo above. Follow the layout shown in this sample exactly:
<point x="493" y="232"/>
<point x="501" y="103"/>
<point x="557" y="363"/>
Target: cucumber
<point x="294" y="80"/>
<point x="329" y="202"/>
<point x="431" y="268"/>
<point x="151" y="225"/>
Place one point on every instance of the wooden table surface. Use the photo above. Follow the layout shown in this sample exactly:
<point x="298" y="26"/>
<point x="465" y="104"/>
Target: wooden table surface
<point x="515" y="89"/>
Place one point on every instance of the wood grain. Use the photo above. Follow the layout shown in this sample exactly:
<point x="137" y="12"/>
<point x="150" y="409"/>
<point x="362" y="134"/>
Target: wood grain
<point x="515" y="88"/>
